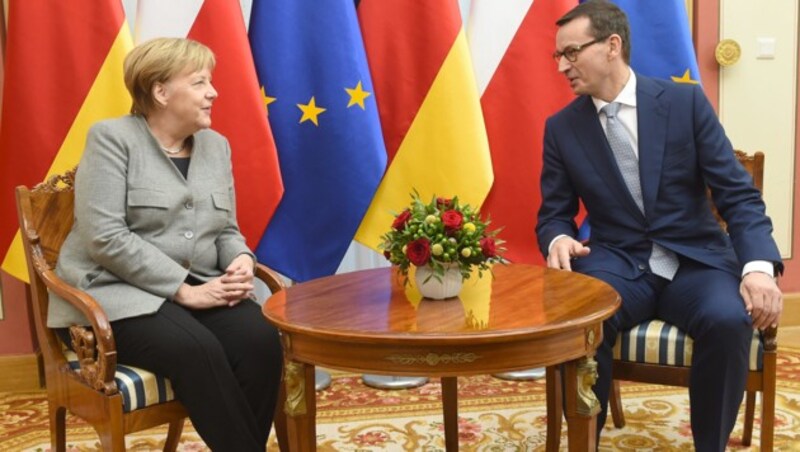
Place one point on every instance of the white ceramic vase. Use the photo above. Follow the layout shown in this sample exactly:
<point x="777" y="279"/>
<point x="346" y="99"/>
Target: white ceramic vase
<point x="448" y="287"/>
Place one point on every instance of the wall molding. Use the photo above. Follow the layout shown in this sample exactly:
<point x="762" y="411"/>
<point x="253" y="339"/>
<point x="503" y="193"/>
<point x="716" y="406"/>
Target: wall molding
<point x="20" y="373"/>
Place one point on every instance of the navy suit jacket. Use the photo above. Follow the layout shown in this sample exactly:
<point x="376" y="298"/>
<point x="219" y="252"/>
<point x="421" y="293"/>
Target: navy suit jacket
<point x="682" y="149"/>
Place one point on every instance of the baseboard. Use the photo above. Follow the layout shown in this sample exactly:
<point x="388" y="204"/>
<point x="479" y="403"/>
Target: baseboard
<point x="20" y="373"/>
<point x="791" y="310"/>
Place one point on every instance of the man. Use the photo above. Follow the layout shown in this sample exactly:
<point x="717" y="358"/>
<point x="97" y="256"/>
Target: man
<point x="639" y="153"/>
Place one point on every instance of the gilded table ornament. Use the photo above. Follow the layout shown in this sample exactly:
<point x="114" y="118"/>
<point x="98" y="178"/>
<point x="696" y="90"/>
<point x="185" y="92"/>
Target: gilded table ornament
<point x="433" y="359"/>
<point x="295" y="380"/>
<point x="588" y="405"/>
<point x="727" y="52"/>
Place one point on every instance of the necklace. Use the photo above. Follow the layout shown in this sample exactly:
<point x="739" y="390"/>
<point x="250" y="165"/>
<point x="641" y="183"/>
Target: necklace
<point x="173" y="151"/>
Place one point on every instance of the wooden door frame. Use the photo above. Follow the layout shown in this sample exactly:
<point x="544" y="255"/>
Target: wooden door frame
<point x="705" y="32"/>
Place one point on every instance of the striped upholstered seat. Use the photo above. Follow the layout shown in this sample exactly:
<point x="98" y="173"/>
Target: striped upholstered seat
<point x="139" y="388"/>
<point x="658" y="342"/>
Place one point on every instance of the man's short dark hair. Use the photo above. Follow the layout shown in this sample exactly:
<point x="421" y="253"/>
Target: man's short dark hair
<point x="605" y="19"/>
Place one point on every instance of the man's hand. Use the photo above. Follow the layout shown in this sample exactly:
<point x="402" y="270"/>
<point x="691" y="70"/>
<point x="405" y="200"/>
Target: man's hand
<point x="563" y="250"/>
<point x="762" y="299"/>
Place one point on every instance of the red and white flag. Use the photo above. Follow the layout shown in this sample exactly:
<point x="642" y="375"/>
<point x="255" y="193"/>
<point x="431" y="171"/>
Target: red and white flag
<point x="511" y="43"/>
<point x="240" y="111"/>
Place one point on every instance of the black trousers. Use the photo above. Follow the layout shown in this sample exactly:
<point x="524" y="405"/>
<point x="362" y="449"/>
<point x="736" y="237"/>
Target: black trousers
<point x="224" y="365"/>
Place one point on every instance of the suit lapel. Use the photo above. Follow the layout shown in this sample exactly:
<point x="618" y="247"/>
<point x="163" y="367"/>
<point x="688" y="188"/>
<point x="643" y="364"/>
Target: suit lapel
<point x="652" y="115"/>
<point x="596" y="149"/>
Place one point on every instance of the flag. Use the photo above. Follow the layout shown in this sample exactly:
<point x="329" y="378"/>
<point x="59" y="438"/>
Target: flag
<point x="240" y="110"/>
<point x="312" y="66"/>
<point x="2" y="60"/>
<point x="511" y="44"/>
<point x="429" y="108"/>
<point x="63" y="72"/>
<point x="661" y="41"/>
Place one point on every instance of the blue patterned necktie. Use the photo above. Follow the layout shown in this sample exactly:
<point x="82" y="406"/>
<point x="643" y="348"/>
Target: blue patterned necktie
<point x="663" y="262"/>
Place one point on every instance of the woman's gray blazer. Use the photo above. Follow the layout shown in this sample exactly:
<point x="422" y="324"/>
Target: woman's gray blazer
<point x="140" y="227"/>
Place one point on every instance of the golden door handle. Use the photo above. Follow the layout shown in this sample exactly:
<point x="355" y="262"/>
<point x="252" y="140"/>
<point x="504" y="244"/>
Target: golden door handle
<point x="727" y="52"/>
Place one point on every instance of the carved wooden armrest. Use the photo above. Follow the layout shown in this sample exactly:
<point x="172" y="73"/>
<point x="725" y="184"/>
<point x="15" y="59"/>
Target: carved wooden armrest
<point x="769" y="338"/>
<point x="95" y="347"/>
<point x="92" y="363"/>
<point x="273" y="281"/>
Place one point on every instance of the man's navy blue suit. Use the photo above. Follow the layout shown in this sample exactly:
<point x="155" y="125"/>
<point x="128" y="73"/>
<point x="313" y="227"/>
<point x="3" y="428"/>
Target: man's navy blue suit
<point x="682" y="149"/>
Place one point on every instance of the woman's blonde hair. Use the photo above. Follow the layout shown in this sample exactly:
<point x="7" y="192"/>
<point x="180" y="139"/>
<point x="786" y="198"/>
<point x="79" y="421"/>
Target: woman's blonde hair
<point x="157" y="61"/>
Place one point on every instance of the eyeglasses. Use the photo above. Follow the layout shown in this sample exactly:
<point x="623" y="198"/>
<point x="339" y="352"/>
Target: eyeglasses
<point x="571" y="53"/>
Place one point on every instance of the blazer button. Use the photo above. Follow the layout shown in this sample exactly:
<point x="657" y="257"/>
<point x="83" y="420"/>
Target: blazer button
<point x="186" y="264"/>
<point x="642" y="267"/>
<point x="188" y="205"/>
<point x="188" y="235"/>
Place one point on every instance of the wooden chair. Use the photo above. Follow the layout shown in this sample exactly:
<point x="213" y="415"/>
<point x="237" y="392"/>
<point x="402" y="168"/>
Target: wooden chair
<point x="665" y="357"/>
<point x="114" y="399"/>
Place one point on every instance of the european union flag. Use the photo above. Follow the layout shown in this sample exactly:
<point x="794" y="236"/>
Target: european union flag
<point x="661" y="42"/>
<point x="311" y="63"/>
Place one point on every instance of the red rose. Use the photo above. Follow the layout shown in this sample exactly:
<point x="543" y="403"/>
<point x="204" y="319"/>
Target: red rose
<point x="401" y="220"/>
<point x="452" y="220"/>
<point x="488" y="247"/>
<point x="387" y="255"/>
<point x="443" y="202"/>
<point x="419" y="251"/>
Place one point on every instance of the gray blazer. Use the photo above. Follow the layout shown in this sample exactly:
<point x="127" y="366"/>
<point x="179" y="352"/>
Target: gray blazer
<point x="140" y="227"/>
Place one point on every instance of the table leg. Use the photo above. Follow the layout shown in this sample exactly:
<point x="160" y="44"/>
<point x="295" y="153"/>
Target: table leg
<point x="281" y="432"/>
<point x="582" y="405"/>
<point x="450" y="405"/>
<point x="555" y="404"/>
<point x="300" y="406"/>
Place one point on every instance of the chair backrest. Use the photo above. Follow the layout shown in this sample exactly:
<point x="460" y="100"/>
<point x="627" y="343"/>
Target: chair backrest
<point x="753" y="164"/>
<point x="45" y="218"/>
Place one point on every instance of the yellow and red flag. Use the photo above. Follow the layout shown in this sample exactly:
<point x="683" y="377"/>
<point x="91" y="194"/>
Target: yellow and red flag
<point x="63" y="72"/>
<point x="240" y="112"/>
<point x="429" y="108"/>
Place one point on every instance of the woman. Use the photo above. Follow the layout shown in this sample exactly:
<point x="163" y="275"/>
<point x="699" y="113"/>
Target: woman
<point x="155" y="241"/>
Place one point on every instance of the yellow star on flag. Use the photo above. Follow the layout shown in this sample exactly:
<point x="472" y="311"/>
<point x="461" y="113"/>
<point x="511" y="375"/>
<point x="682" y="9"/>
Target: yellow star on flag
<point x="357" y="96"/>
<point x="310" y="111"/>
<point x="685" y="78"/>
<point x="266" y="99"/>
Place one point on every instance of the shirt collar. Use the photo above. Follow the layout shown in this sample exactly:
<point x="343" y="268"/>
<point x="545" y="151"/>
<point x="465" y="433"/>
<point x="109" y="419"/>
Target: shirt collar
<point x="625" y="97"/>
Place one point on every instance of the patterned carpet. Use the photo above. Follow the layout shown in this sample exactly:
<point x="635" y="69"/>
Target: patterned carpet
<point x="495" y="415"/>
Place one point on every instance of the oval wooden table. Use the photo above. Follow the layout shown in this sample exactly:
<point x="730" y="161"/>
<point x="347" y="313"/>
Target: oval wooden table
<point x="367" y="321"/>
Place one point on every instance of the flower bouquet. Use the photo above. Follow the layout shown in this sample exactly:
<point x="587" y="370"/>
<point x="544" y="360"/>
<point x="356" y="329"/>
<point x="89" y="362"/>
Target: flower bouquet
<point x="441" y="235"/>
